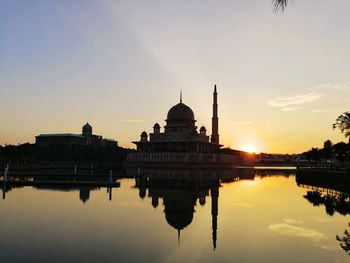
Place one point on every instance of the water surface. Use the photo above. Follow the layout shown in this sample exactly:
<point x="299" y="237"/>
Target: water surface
<point x="260" y="217"/>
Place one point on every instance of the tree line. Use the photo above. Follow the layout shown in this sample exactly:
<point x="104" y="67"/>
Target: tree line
<point x="339" y="151"/>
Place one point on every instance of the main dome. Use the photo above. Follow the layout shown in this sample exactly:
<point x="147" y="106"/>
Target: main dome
<point x="180" y="112"/>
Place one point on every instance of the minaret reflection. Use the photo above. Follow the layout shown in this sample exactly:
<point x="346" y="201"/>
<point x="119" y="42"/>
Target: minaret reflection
<point x="214" y="213"/>
<point x="4" y="191"/>
<point x="181" y="188"/>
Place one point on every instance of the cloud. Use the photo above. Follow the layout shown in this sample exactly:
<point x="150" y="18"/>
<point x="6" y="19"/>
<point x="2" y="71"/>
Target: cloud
<point x="330" y="248"/>
<point x="288" y="109"/>
<point x="293" y="100"/>
<point x="323" y="220"/>
<point x="292" y="221"/>
<point x="319" y="110"/>
<point x="296" y="231"/>
<point x="334" y="86"/>
<point x="242" y="122"/>
<point x="133" y="120"/>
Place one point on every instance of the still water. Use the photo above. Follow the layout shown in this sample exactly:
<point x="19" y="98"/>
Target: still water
<point x="256" y="216"/>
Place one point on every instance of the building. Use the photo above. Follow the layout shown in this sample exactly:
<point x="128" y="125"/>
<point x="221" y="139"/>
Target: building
<point x="181" y="142"/>
<point x="70" y="139"/>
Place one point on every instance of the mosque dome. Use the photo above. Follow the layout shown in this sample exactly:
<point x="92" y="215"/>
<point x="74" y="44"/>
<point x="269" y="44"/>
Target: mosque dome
<point x="179" y="219"/>
<point x="180" y="112"/>
<point x="179" y="210"/>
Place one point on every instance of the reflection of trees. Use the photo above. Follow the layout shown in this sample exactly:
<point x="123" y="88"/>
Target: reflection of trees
<point x="344" y="241"/>
<point x="274" y="173"/>
<point x="339" y="203"/>
<point x="333" y="203"/>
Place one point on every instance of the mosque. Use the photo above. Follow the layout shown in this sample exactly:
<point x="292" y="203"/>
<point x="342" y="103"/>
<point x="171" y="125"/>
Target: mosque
<point x="70" y="139"/>
<point x="182" y="143"/>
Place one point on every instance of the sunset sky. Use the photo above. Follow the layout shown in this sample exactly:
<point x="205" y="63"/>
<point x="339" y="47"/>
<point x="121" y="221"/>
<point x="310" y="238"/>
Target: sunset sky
<point x="120" y="65"/>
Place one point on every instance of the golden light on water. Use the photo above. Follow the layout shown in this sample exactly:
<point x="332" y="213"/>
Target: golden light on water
<point x="249" y="182"/>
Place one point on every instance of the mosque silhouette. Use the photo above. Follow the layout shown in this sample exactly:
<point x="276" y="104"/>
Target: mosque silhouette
<point x="182" y="143"/>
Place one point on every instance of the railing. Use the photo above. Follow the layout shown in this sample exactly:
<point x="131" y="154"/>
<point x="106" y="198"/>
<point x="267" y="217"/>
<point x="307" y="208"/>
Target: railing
<point x="322" y="165"/>
<point x="183" y="157"/>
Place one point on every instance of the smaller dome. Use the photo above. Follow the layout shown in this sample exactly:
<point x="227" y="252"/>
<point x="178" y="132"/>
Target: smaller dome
<point x="142" y="193"/>
<point x="144" y="136"/>
<point x="156" y="125"/>
<point x="203" y="129"/>
<point x="87" y="126"/>
<point x="155" y="201"/>
<point x="87" y="129"/>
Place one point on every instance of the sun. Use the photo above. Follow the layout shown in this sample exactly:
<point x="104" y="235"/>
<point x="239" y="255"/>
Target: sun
<point x="249" y="149"/>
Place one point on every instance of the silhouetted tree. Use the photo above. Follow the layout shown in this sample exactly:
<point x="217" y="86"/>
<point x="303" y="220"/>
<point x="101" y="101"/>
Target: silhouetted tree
<point x="313" y="155"/>
<point x="341" y="151"/>
<point x="343" y="123"/>
<point x="327" y="149"/>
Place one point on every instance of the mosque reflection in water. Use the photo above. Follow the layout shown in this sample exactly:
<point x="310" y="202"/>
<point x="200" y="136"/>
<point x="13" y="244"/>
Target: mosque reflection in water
<point x="181" y="189"/>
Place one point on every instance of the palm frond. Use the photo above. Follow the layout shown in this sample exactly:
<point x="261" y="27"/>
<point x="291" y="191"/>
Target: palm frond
<point x="343" y="124"/>
<point x="279" y="5"/>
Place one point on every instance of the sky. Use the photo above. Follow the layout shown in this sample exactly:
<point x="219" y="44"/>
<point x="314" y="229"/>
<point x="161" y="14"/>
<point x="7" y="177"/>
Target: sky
<point x="282" y="78"/>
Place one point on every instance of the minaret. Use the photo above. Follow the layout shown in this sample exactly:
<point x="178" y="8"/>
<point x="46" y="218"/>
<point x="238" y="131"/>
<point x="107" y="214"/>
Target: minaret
<point x="215" y="119"/>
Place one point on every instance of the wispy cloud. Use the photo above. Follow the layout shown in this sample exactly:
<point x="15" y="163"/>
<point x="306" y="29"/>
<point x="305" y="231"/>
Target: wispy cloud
<point x="287" y="101"/>
<point x="296" y="231"/>
<point x="242" y="122"/>
<point x="334" y="86"/>
<point x="288" y="109"/>
<point x="319" y="110"/>
<point x="292" y="221"/>
<point x="323" y="220"/>
<point x="330" y="248"/>
<point x="133" y="120"/>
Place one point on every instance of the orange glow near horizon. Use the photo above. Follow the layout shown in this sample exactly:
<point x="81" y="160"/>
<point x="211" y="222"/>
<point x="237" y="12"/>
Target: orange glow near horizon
<point x="250" y="149"/>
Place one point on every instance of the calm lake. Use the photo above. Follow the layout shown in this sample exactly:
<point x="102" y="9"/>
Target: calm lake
<point x="257" y="216"/>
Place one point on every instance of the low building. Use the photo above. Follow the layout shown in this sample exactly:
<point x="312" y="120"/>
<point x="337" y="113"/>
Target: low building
<point x="70" y="139"/>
